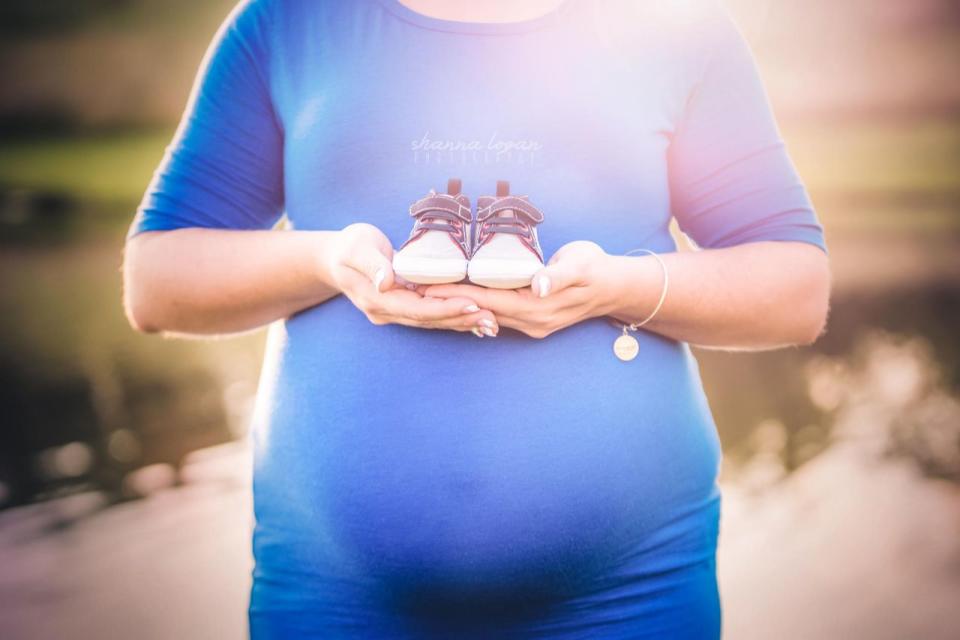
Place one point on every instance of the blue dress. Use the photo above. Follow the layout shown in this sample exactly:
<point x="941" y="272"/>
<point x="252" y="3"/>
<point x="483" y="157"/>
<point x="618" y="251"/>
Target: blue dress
<point x="426" y="484"/>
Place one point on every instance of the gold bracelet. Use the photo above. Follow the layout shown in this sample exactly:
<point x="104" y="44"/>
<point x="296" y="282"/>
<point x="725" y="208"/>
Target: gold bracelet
<point x="626" y="347"/>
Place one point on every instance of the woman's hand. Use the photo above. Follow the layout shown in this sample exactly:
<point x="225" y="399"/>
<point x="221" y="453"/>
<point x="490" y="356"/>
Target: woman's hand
<point x="576" y="284"/>
<point x="360" y="267"/>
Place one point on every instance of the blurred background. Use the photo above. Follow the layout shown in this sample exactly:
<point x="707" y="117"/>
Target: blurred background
<point x="124" y="506"/>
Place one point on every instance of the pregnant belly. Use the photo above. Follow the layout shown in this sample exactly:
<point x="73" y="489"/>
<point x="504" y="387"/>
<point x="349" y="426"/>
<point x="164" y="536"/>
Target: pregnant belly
<point x="519" y="485"/>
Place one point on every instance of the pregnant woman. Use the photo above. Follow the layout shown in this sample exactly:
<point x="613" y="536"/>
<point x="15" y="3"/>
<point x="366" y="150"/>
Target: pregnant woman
<point x="453" y="461"/>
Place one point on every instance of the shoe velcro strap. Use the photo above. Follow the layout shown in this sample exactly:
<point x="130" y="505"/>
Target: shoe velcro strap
<point x="513" y="203"/>
<point x="440" y="202"/>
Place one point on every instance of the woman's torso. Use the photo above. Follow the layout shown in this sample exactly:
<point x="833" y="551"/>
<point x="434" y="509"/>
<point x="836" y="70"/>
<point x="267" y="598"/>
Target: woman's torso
<point x="410" y="460"/>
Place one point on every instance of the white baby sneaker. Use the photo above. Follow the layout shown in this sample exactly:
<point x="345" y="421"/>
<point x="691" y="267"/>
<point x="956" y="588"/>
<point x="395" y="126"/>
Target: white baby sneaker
<point x="506" y="249"/>
<point x="438" y="248"/>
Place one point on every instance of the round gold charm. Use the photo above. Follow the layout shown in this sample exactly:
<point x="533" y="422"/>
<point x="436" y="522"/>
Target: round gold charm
<point x="626" y="347"/>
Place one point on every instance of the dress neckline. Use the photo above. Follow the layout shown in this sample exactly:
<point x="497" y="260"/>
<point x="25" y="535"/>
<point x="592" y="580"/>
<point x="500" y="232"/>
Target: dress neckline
<point x="407" y="14"/>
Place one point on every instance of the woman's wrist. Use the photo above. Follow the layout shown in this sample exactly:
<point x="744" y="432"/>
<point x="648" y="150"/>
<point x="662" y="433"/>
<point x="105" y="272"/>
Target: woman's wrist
<point x="317" y="250"/>
<point x="322" y="249"/>
<point x="632" y="287"/>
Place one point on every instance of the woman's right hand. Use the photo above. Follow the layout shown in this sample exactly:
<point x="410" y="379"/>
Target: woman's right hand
<point x="361" y="267"/>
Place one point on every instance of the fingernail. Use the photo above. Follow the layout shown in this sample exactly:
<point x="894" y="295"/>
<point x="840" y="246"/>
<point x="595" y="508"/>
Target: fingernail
<point x="487" y="323"/>
<point x="411" y="286"/>
<point x="378" y="278"/>
<point x="471" y="308"/>
<point x="544" y="286"/>
<point x="488" y="332"/>
<point x="476" y="332"/>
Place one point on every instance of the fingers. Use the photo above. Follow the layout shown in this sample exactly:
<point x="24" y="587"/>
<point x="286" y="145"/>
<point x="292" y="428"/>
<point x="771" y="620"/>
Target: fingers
<point x="482" y="324"/>
<point x="401" y="306"/>
<point x="456" y="313"/>
<point x="404" y="304"/>
<point x="571" y="266"/>
<point x="497" y="300"/>
<point x="402" y="282"/>
<point x="372" y="263"/>
<point x="522" y="309"/>
<point x="556" y="277"/>
<point x="513" y="303"/>
<point x="368" y="280"/>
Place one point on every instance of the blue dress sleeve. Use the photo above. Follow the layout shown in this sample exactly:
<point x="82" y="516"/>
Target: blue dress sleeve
<point x="224" y="167"/>
<point x="731" y="179"/>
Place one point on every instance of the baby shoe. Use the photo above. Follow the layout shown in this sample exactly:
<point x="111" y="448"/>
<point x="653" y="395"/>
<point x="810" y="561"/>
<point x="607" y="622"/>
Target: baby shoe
<point x="506" y="250"/>
<point x="438" y="248"/>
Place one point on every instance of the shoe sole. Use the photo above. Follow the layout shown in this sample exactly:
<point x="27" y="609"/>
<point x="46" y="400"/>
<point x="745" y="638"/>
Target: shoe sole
<point x="506" y="279"/>
<point x="429" y="271"/>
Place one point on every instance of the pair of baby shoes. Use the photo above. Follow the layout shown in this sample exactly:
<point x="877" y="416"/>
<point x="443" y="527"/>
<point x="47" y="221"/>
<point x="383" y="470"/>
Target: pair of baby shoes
<point x="498" y="247"/>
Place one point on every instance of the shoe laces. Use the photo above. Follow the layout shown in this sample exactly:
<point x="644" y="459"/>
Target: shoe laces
<point x="505" y="221"/>
<point x="513" y="215"/>
<point x="434" y="216"/>
<point x="439" y="221"/>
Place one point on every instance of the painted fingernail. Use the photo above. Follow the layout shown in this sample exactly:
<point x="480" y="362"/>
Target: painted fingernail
<point x="378" y="278"/>
<point x="487" y="323"/>
<point x="476" y="332"/>
<point x="471" y="308"/>
<point x="488" y="332"/>
<point x="544" y="283"/>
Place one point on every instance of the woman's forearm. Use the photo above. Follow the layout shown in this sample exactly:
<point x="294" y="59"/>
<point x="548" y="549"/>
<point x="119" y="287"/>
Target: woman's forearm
<point x="213" y="281"/>
<point x="753" y="296"/>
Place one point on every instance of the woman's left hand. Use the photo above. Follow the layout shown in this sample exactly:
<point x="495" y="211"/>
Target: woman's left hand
<point x="577" y="283"/>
